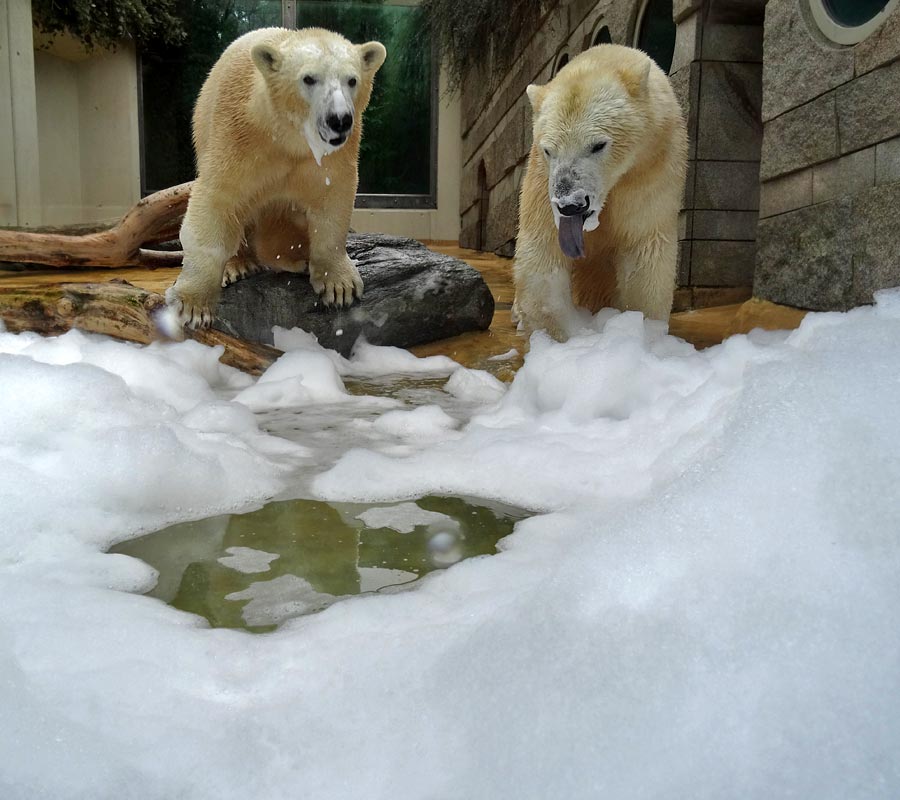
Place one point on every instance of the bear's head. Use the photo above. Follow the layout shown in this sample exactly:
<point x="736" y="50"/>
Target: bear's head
<point x="321" y="82"/>
<point x="587" y="123"/>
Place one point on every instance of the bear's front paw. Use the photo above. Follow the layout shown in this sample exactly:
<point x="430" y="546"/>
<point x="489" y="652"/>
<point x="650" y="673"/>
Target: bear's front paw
<point x="338" y="286"/>
<point x="186" y="311"/>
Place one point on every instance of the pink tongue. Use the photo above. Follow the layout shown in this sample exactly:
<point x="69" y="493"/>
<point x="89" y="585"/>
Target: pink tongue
<point x="571" y="236"/>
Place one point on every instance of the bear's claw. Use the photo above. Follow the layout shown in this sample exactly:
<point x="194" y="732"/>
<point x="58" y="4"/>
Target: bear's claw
<point x="238" y="269"/>
<point x="339" y="287"/>
<point x="187" y="314"/>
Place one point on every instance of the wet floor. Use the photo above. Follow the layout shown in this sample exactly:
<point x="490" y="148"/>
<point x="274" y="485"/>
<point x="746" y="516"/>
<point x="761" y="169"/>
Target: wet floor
<point x="296" y="557"/>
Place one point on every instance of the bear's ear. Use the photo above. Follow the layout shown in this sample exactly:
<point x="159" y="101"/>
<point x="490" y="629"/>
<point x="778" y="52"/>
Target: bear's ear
<point x="267" y="58"/>
<point x="535" y="95"/>
<point x="637" y="80"/>
<point x="372" y="55"/>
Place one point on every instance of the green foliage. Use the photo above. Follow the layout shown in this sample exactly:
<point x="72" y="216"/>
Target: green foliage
<point x="470" y="33"/>
<point x="395" y="156"/>
<point x="103" y="23"/>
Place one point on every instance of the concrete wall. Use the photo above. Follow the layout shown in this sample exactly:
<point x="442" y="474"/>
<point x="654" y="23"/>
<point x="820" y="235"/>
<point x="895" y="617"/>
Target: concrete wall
<point x="828" y="233"/>
<point x="20" y="183"/>
<point x="87" y="131"/>
<point x="56" y="86"/>
<point x="69" y="146"/>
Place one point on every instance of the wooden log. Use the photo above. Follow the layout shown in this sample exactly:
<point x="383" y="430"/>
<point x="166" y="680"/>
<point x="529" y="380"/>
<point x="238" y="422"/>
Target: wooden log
<point x="154" y="219"/>
<point x="115" y="309"/>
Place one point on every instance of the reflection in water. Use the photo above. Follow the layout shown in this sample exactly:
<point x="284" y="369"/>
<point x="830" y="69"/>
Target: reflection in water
<point x="295" y="557"/>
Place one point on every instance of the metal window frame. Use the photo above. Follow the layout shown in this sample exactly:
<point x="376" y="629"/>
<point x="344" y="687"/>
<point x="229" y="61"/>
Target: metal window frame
<point x="405" y="202"/>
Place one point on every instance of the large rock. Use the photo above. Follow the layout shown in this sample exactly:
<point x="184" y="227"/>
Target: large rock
<point x="412" y="296"/>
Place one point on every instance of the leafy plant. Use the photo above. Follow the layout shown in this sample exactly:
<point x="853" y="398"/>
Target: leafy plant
<point x="471" y="33"/>
<point x="103" y="23"/>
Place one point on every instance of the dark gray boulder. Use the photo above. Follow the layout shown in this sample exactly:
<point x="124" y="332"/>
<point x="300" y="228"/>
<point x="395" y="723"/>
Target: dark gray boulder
<point x="412" y="296"/>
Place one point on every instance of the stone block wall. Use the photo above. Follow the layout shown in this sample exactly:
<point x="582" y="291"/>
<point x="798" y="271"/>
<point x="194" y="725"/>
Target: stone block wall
<point x="830" y="170"/>
<point x="717" y="75"/>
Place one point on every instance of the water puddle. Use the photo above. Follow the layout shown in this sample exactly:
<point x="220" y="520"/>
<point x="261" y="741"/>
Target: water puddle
<point x="296" y="557"/>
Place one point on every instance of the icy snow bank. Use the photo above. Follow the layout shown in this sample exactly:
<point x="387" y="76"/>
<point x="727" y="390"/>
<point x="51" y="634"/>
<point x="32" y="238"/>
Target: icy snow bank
<point x="711" y="612"/>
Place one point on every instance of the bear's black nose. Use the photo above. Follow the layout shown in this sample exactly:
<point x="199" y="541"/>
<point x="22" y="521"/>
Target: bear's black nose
<point x="576" y="209"/>
<point x="339" y="123"/>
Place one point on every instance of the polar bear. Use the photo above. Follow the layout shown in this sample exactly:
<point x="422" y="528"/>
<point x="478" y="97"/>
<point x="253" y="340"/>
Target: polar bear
<point x="610" y="144"/>
<point x="277" y="128"/>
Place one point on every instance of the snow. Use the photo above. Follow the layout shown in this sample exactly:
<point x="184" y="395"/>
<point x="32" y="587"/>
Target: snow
<point x="708" y="608"/>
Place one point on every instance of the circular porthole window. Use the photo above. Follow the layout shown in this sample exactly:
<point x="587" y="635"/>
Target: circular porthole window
<point x="850" y="21"/>
<point x="563" y="60"/>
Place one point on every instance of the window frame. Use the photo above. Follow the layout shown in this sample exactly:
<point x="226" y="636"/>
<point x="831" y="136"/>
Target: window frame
<point x="370" y="200"/>
<point x="639" y="20"/>
<point x="841" y="34"/>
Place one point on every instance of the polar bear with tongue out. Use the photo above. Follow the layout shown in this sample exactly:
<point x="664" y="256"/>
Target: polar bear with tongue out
<point x="598" y="222"/>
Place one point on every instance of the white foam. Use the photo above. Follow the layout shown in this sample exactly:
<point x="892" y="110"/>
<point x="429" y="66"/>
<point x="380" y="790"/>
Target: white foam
<point x="247" y="560"/>
<point x="708" y="611"/>
<point x="403" y="517"/>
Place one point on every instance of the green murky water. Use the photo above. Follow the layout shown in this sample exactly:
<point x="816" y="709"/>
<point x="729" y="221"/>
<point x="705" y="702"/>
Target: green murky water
<point x="296" y="557"/>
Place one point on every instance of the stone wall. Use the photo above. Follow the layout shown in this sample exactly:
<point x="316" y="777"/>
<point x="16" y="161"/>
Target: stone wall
<point x="828" y="232"/>
<point x="717" y="75"/>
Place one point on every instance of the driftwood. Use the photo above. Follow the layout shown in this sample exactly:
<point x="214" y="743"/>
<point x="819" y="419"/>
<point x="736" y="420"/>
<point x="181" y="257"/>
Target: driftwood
<point x="154" y="219"/>
<point x="116" y="309"/>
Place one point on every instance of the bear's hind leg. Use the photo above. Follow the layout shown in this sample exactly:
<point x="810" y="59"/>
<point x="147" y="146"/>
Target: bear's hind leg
<point x="240" y="266"/>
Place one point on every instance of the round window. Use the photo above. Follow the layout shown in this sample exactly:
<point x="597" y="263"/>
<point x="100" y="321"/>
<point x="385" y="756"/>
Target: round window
<point x="563" y="60"/>
<point x="850" y="21"/>
<point x="655" y="32"/>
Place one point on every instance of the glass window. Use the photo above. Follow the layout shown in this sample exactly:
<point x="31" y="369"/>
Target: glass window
<point x="171" y="78"/>
<point x="656" y="32"/>
<point x="397" y="158"/>
<point x="396" y="151"/>
<point x="851" y="13"/>
<point x="563" y="60"/>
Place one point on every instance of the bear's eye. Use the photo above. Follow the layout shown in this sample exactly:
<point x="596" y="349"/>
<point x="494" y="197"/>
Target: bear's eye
<point x="599" y="147"/>
<point x="546" y="152"/>
<point x="309" y="80"/>
<point x="351" y="83"/>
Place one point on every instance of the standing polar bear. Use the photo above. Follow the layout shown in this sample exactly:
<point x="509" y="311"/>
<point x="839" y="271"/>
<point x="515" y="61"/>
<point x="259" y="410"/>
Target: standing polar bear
<point x="277" y="128"/>
<point x="610" y="144"/>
